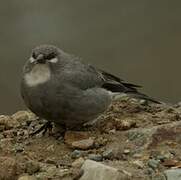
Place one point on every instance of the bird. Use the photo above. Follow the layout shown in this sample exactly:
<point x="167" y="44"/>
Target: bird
<point x="60" y="88"/>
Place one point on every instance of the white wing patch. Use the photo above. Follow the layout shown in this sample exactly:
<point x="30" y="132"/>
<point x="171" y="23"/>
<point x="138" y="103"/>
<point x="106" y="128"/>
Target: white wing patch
<point x="38" y="75"/>
<point x="32" y="60"/>
<point x="54" y="60"/>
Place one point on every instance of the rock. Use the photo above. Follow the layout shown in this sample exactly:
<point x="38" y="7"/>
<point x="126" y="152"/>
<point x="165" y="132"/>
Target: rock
<point x="6" y="122"/>
<point x="23" y="116"/>
<point x="32" y="167"/>
<point x="94" y="170"/>
<point x="26" y="177"/>
<point x="83" y="144"/>
<point x="78" y="162"/>
<point x="153" y="163"/>
<point x="8" y="168"/>
<point x="124" y="124"/>
<point x="72" y="136"/>
<point x="173" y="174"/>
<point x="95" y="157"/>
<point x="139" y="164"/>
<point x="7" y="144"/>
<point x="77" y="153"/>
<point x="126" y="151"/>
<point x="108" y="154"/>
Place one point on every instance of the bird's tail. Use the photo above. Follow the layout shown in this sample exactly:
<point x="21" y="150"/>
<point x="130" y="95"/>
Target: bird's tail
<point x="130" y="89"/>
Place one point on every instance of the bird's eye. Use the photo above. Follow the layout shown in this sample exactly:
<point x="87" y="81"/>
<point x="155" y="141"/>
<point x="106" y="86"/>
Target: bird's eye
<point x="34" y="55"/>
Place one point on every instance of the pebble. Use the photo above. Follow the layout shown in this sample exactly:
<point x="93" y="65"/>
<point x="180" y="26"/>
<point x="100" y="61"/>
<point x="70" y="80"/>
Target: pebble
<point x="108" y="154"/>
<point x="76" y="154"/>
<point x="126" y="151"/>
<point x="153" y="163"/>
<point x="24" y="117"/>
<point x="139" y="164"/>
<point x="27" y="178"/>
<point x="95" y="170"/>
<point x="83" y="144"/>
<point x="72" y="136"/>
<point x="8" y="122"/>
<point x="95" y="157"/>
<point x="173" y="174"/>
<point x="8" y="168"/>
<point x="78" y="162"/>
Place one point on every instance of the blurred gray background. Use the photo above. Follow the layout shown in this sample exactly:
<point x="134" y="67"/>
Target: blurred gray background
<point x="136" y="40"/>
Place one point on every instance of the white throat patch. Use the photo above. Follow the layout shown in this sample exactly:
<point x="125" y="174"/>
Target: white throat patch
<point x="38" y="75"/>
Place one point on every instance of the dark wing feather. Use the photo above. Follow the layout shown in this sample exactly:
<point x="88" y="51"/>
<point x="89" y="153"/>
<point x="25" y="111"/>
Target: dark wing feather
<point x="115" y="84"/>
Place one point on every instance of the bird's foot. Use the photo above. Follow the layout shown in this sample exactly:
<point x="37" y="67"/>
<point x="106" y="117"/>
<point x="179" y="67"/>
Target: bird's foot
<point x="47" y="126"/>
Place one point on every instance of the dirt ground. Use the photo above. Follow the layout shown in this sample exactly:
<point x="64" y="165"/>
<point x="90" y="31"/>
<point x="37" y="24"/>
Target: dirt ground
<point x="141" y="140"/>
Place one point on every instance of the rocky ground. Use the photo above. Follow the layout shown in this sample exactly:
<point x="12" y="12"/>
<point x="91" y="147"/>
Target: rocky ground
<point x="132" y="140"/>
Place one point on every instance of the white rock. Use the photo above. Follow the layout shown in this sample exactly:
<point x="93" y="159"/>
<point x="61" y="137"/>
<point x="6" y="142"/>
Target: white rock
<point x="94" y="170"/>
<point x="173" y="174"/>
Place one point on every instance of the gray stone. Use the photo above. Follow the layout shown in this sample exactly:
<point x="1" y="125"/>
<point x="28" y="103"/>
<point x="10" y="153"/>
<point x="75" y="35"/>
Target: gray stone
<point x="153" y="163"/>
<point x="76" y="154"/>
<point x="94" y="170"/>
<point x="78" y="162"/>
<point x="95" y="157"/>
<point x="173" y="174"/>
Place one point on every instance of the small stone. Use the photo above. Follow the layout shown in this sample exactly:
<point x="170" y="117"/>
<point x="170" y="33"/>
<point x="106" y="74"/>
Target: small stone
<point x="143" y="102"/>
<point x="76" y="154"/>
<point x="83" y="144"/>
<point x="108" y="154"/>
<point x="95" y="157"/>
<point x="137" y="155"/>
<point x="139" y="164"/>
<point x="173" y="174"/>
<point x="72" y="136"/>
<point x="153" y="163"/>
<point x="27" y="178"/>
<point x="95" y="170"/>
<point x="78" y="162"/>
<point x="32" y="167"/>
<point x="8" y="168"/>
<point x="126" y="151"/>
<point x="51" y="161"/>
<point x="23" y="116"/>
<point x="124" y="124"/>
<point x="160" y="157"/>
<point x="8" y="122"/>
<point x="112" y="131"/>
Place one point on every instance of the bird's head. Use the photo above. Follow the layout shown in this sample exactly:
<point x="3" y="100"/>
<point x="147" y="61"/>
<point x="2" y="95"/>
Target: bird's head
<point x="45" y="54"/>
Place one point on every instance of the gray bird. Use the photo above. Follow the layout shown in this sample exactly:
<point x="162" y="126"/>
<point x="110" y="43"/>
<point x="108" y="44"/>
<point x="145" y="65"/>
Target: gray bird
<point x="58" y="87"/>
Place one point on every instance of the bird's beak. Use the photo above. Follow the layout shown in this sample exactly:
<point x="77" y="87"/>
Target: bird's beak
<point x="40" y="59"/>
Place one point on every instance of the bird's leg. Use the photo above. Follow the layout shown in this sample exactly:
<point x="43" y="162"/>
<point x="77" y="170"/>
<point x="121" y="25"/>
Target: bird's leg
<point x="44" y="128"/>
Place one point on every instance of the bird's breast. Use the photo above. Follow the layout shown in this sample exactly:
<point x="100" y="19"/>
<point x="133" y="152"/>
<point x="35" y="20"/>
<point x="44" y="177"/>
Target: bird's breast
<point x="39" y="74"/>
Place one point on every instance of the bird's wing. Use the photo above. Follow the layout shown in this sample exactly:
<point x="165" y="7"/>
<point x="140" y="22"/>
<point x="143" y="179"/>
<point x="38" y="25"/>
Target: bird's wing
<point x="115" y="84"/>
<point x="86" y="76"/>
